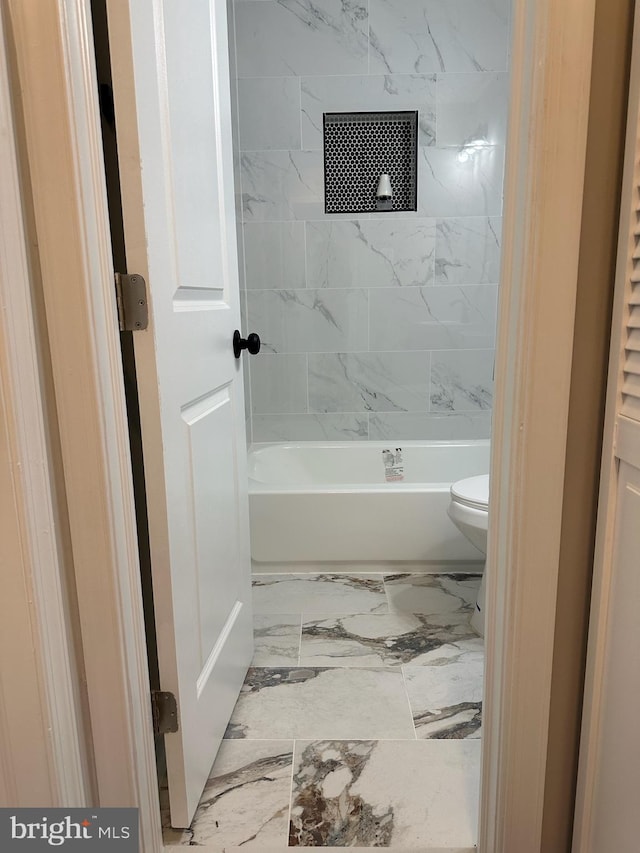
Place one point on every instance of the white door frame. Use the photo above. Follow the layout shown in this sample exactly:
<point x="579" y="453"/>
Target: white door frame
<point x="545" y="172"/>
<point x="54" y="52"/>
<point x="544" y="181"/>
<point x="44" y="761"/>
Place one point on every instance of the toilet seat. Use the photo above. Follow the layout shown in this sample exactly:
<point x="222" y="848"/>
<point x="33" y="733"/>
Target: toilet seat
<point x="472" y="492"/>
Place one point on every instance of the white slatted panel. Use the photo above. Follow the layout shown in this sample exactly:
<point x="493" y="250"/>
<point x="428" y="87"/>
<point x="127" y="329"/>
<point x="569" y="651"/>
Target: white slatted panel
<point x="631" y="382"/>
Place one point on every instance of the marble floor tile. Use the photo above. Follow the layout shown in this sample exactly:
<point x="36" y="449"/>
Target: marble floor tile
<point x="276" y="639"/>
<point x="246" y="799"/>
<point x="362" y="593"/>
<point x="378" y="639"/>
<point x="397" y="849"/>
<point x="446" y="598"/>
<point x="446" y="694"/>
<point x="385" y="794"/>
<point x="318" y="702"/>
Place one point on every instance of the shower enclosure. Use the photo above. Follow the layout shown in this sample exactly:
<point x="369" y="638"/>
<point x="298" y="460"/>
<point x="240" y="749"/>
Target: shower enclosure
<point x="375" y="326"/>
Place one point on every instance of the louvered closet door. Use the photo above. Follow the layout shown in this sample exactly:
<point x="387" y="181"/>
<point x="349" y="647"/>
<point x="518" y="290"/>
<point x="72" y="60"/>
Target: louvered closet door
<point x="607" y="814"/>
<point x="631" y="385"/>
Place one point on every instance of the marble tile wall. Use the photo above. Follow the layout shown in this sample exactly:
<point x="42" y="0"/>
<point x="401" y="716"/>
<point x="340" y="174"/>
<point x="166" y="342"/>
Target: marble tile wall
<point x="382" y="325"/>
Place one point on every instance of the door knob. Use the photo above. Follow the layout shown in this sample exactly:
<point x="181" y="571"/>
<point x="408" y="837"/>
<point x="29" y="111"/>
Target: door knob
<point x="251" y="343"/>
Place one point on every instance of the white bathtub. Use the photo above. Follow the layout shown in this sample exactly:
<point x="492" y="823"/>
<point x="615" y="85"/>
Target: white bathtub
<point x="330" y="501"/>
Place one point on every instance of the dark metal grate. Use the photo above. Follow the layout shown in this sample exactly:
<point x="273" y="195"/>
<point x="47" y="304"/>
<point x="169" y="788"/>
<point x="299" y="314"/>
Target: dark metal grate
<point x="358" y="148"/>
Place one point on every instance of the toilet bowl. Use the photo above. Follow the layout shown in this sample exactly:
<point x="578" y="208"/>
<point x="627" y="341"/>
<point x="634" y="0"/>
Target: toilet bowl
<point x="469" y="511"/>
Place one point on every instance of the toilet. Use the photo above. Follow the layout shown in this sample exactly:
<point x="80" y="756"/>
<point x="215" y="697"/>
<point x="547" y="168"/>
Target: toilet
<point x="469" y="511"/>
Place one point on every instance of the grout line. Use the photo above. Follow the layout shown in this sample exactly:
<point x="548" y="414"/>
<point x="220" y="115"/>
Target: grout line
<point x="308" y="412"/>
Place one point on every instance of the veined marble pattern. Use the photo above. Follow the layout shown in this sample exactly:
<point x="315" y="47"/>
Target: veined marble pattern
<point x="274" y="255"/>
<point x="276" y="639"/>
<point x="468" y="250"/>
<point x="421" y="36"/>
<point x="370" y="253"/>
<point x="377" y="93"/>
<point x="321" y="593"/>
<point x="392" y="381"/>
<point x="380" y="639"/>
<point x="296" y="37"/>
<point x="281" y="185"/>
<point x="472" y="107"/>
<point x="306" y="702"/>
<point x="269" y="109"/>
<point x="447" y="59"/>
<point x="361" y="793"/>
<point x="309" y="320"/>
<point x="279" y="383"/>
<point x="429" y="426"/>
<point x="432" y="318"/>
<point x="445" y="693"/>
<point x="463" y="181"/>
<point x="442" y="597"/>
<point x="462" y="380"/>
<point x="311" y="427"/>
<point x="384" y="739"/>
<point x="246" y="799"/>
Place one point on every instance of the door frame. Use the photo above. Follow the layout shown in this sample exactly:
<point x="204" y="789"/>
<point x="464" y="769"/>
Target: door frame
<point x="619" y="444"/>
<point x="63" y="152"/>
<point x="544" y="188"/>
<point x="45" y="761"/>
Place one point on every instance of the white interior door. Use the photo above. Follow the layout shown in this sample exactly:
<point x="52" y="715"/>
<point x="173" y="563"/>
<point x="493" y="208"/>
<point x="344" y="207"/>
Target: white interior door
<point x="607" y="814"/>
<point x="171" y="89"/>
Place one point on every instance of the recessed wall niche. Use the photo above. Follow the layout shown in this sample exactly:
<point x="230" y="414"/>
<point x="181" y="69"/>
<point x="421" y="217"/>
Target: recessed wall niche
<point x="358" y="148"/>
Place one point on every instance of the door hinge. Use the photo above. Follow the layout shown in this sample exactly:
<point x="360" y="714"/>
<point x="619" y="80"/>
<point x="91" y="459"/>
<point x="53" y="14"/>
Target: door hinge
<point x="165" y="712"/>
<point x="131" y="296"/>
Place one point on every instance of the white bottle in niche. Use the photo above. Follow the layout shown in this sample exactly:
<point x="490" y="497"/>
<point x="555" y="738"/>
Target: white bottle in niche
<point x="384" y="193"/>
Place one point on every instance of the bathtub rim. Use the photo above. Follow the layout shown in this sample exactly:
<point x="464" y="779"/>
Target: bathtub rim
<point x="260" y="487"/>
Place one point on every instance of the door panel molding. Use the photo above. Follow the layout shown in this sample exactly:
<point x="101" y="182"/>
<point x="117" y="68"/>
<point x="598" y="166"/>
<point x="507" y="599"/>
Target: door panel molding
<point x="172" y="110"/>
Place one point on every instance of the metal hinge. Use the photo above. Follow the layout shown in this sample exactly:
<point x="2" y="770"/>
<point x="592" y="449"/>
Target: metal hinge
<point x="165" y="712"/>
<point x="131" y="295"/>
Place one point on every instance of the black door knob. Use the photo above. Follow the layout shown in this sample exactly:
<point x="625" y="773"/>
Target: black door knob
<point x="251" y="343"/>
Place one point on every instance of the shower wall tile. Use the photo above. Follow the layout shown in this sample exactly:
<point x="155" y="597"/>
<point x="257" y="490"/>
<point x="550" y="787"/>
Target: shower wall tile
<point x="375" y="382"/>
<point x="423" y="36"/>
<point x="281" y="185"/>
<point x="278" y="383"/>
<point x="269" y="113"/>
<point x="472" y="107"/>
<point x="462" y="380"/>
<point x="370" y="253"/>
<point x="332" y="427"/>
<point x="454" y="182"/>
<point x="468" y="250"/>
<point x="429" y="426"/>
<point x="381" y="92"/>
<point x="376" y="326"/>
<point x="296" y="37"/>
<point x="274" y="255"/>
<point x="309" y="320"/>
<point x="432" y="318"/>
